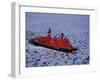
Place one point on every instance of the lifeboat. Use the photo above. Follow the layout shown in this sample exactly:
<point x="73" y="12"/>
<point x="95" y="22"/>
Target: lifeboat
<point x="60" y="44"/>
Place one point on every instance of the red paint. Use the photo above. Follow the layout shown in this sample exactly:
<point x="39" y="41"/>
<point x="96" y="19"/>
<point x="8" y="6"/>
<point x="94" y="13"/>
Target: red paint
<point x="60" y="42"/>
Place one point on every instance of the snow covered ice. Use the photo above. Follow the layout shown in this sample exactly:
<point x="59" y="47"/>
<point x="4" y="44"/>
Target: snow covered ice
<point x="75" y="27"/>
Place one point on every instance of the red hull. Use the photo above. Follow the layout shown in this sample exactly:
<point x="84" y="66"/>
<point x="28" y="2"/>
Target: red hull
<point x="59" y="44"/>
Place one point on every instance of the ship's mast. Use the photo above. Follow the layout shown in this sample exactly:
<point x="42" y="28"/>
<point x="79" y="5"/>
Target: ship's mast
<point x="62" y="35"/>
<point x="49" y="32"/>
